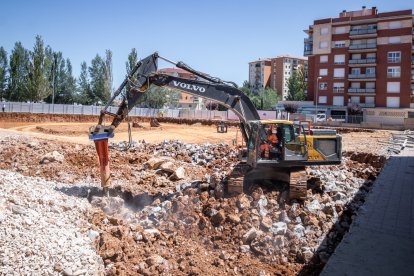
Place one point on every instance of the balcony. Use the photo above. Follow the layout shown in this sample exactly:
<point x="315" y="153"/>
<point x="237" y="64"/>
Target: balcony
<point x="367" y="105"/>
<point x="362" y="61"/>
<point x="308" y="40"/>
<point x="338" y="89"/>
<point x="363" y="46"/>
<point x="361" y="76"/>
<point x="394" y="75"/>
<point x="393" y="60"/>
<point x="361" y="90"/>
<point x="362" y="31"/>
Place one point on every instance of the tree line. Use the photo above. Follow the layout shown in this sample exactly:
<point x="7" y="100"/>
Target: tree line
<point x="44" y="75"/>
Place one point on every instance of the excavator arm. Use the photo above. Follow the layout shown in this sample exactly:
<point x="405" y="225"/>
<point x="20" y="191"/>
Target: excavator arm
<point x="225" y="93"/>
<point x="141" y="78"/>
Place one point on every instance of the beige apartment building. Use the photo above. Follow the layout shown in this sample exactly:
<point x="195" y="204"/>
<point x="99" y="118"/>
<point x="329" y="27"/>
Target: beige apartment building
<point x="259" y="74"/>
<point x="361" y="57"/>
<point x="282" y="68"/>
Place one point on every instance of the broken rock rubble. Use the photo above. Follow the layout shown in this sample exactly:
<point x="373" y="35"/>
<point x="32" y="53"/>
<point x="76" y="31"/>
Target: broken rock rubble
<point x="266" y="225"/>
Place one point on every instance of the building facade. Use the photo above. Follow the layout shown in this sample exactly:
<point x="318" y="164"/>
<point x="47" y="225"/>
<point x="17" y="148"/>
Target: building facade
<point x="361" y="57"/>
<point x="282" y="68"/>
<point x="259" y="74"/>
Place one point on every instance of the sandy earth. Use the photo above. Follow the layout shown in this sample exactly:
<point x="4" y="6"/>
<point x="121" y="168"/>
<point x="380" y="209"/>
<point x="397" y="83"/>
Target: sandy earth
<point x="78" y="132"/>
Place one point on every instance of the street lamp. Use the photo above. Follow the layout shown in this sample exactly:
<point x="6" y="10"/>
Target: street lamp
<point x="316" y="99"/>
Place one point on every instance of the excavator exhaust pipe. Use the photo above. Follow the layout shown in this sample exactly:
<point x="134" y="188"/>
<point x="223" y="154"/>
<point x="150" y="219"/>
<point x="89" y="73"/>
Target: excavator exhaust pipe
<point x="103" y="157"/>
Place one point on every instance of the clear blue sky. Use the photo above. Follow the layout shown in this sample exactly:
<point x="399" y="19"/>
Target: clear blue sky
<point x="218" y="37"/>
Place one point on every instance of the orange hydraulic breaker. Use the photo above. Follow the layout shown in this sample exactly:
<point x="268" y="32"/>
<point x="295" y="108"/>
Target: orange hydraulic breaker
<point x="103" y="156"/>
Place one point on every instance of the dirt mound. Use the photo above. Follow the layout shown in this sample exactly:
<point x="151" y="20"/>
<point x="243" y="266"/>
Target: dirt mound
<point x="377" y="161"/>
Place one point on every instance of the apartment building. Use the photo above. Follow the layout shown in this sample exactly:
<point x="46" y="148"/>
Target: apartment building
<point x="362" y="57"/>
<point x="186" y="101"/>
<point x="282" y="68"/>
<point x="259" y="74"/>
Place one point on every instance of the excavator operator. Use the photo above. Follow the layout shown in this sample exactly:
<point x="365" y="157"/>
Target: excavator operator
<point x="270" y="147"/>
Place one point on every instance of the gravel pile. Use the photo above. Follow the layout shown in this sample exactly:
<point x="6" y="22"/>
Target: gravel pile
<point x="43" y="230"/>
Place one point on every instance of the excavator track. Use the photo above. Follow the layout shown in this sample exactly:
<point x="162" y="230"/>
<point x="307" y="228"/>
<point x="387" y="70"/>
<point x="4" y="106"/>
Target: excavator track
<point x="235" y="181"/>
<point x="298" y="184"/>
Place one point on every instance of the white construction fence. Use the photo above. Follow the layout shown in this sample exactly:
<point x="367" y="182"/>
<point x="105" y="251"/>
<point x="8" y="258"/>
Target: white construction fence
<point x="45" y="108"/>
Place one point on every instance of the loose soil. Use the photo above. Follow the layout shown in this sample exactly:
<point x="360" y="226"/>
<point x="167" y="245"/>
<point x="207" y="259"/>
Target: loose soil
<point x="199" y="234"/>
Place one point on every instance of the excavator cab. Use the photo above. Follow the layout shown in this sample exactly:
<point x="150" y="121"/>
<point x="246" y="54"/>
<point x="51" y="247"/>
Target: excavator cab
<point x="276" y="142"/>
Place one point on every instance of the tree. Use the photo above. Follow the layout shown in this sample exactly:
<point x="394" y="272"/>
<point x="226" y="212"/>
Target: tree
<point x="264" y="99"/>
<point x="65" y="82"/>
<point x="108" y="75"/>
<point x="3" y="73"/>
<point x="158" y="97"/>
<point x="17" y="89"/>
<point x="97" y="80"/>
<point x="70" y="82"/>
<point x="84" y="94"/>
<point x="38" y="79"/>
<point x="268" y="99"/>
<point x="297" y="86"/>
<point x="130" y="64"/>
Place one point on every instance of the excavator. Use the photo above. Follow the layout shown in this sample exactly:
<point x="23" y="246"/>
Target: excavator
<point x="281" y="159"/>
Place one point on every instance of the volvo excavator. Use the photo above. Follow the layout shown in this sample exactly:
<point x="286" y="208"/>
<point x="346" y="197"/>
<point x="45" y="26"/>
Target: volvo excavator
<point x="281" y="159"/>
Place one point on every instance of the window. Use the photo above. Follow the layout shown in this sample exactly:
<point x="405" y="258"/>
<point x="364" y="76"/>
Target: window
<point x="356" y="56"/>
<point x="339" y="72"/>
<point x="394" y="57"/>
<point x="355" y="99"/>
<point x="338" y="87"/>
<point x="370" y="71"/>
<point x="339" y="59"/>
<point x="338" y="100"/>
<point x="393" y="87"/>
<point x="323" y="59"/>
<point x="355" y="71"/>
<point x="323" y="45"/>
<point x="394" y="24"/>
<point x="355" y="84"/>
<point x="394" y="39"/>
<point x="323" y="86"/>
<point x="340" y="30"/>
<point x="323" y="99"/>
<point x="394" y="72"/>
<point x="324" y="31"/>
<point x="370" y="100"/>
<point x="323" y="72"/>
<point x="393" y="101"/>
<point x="339" y="44"/>
<point x="370" y="85"/>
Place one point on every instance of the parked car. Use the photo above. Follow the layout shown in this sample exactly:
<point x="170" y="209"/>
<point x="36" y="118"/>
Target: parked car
<point x="321" y="117"/>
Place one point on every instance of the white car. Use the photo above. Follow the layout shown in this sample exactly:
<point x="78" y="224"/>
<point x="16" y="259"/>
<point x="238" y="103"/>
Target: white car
<point x="321" y="117"/>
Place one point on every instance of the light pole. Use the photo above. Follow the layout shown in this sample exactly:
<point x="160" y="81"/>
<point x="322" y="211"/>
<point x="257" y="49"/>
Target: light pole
<point x="316" y="99"/>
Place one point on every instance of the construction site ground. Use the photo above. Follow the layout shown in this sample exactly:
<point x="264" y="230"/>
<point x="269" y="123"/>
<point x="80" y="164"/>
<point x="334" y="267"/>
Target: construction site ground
<point x="167" y="214"/>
